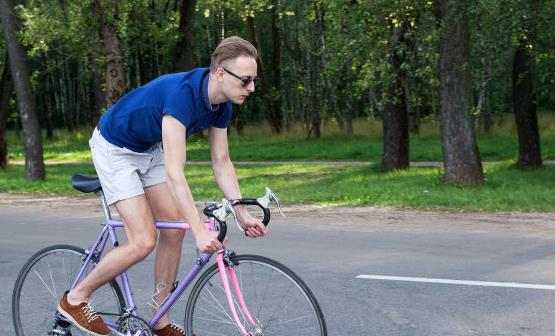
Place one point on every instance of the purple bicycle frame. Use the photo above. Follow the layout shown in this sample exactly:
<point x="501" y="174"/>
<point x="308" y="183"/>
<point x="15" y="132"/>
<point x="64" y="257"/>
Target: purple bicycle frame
<point x="109" y="231"/>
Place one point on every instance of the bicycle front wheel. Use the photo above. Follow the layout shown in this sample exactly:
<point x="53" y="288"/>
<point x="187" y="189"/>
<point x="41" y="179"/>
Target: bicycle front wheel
<point x="277" y="299"/>
<point x="42" y="282"/>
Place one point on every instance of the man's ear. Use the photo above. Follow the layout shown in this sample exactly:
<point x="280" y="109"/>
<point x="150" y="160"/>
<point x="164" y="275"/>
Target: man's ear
<point x="219" y="74"/>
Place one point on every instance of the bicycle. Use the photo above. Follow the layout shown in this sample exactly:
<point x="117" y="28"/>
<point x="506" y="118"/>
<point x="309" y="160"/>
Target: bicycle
<point x="267" y="297"/>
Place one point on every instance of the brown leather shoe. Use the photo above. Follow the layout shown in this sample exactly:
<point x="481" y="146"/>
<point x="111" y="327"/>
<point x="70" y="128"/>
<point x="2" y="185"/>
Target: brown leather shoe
<point x="83" y="316"/>
<point x="170" y="330"/>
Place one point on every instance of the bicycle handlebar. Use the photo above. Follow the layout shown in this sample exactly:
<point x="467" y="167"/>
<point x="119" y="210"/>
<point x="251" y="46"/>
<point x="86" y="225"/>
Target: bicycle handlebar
<point x="220" y="211"/>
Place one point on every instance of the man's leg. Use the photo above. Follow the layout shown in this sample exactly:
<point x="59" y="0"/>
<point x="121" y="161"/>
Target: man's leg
<point x="170" y="241"/>
<point x="141" y="240"/>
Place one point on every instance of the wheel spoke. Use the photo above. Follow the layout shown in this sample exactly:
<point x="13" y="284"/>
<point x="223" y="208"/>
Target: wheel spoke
<point x="44" y="283"/>
<point x="276" y="298"/>
<point x="39" y="285"/>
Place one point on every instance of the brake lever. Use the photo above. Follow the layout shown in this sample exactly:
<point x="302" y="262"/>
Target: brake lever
<point x="232" y="212"/>
<point x="274" y="198"/>
<point x="267" y="198"/>
<point x="226" y="209"/>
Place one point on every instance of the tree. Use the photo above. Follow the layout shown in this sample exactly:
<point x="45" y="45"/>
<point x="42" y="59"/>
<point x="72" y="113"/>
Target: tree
<point x="395" y="115"/>
<point x="34" y="163"/>
<point x="460" y="152"/>
<point x="524" y="92"/>
<point x="115" y="76"/>
<point x="274" y="116"/>
<point x="185" y="44"/>
<point x="525" y="108"/>
<point x="6" y="90"/>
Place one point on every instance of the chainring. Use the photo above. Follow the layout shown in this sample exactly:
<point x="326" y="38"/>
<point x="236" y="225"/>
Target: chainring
<point x="134" y="326"/>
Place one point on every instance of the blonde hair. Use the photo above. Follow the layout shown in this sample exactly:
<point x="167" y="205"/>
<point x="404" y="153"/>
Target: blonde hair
<point x="230" y="48"/>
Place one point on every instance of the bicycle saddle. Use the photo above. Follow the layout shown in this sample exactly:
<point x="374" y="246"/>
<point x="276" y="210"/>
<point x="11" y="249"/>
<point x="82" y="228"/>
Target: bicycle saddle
<point x="85" y="183"/>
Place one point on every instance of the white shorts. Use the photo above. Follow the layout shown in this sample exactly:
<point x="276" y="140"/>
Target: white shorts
<point x="124" y="173"/>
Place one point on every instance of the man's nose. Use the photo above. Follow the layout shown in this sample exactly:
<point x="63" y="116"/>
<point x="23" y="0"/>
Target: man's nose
<point x="251" y="86"/>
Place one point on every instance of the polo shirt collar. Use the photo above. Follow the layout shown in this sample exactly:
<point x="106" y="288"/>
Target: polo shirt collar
<point x="205" y="99"/>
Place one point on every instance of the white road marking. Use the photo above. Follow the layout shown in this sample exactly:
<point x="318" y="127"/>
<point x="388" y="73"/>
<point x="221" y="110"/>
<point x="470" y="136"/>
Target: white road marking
<point x="457" y="282"/>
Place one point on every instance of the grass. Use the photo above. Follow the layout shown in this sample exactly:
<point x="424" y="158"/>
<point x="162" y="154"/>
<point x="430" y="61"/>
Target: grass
<point x="506" y="189"/>
<point x="365" y="144"/>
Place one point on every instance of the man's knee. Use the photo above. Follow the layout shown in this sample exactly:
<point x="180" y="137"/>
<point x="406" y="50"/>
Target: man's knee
<point x="143" y="247"/>
<point x="171" y="236"/>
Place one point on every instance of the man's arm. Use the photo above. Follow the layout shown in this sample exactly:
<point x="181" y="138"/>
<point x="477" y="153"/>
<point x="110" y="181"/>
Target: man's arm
<point x="224" y="172"/>
<point x="173" y="138"/>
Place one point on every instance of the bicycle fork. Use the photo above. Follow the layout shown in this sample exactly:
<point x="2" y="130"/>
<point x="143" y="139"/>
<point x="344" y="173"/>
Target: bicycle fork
<point x="227" y="268"/>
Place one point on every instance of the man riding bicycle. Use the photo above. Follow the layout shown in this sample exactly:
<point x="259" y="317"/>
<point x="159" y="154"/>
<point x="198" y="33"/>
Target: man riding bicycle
<point x="138" y="150"/>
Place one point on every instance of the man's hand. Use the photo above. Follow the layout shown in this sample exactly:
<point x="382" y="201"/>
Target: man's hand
<point x="207" y="241"/>
<point x="253" y="226"/>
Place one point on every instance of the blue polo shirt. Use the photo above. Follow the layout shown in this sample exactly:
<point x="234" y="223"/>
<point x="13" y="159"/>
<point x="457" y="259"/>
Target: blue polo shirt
<point x="135" y="121"/>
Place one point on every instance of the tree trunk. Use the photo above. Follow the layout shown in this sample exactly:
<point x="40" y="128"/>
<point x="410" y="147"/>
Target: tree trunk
<point x="34" y="163"/>
<point x="184" y="48"/>
<point x="69" y="93"/>
<point x="413" y="112"/>
<point x="6" y="90"/>
<point x="239" y="120"/>
<point x="316" y="65"/>
<point x="276" y="92"/>
<point x="115" y="78"/>
<point x="333" y="101"/>
<point x="395" y="117"/>
<point x="484" y="105"/>
<point x="61" y="91"/>
<point x="274" y="118"/>
<point x="222" y="21"/>
<point x="48" y="107"/>
<point x="395" y="132"/>
<point x="350" y="108"/>
<point x="525" y="109"/>
<point x="460" y="151"/>
<point x="98" y="100"/>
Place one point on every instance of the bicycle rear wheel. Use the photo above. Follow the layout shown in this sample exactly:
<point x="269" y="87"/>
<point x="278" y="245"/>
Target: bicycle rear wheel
<point x="42" y="282"/>
<point x="277" y="299"/>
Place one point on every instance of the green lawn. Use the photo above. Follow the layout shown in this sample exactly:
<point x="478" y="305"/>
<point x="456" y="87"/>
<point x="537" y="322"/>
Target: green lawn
<point x="365" y="145"/>
<point x="506" y="188"/>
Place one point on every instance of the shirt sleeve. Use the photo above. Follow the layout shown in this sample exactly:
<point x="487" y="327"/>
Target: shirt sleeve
<point x="222" y="121"/>
<point x="179" y="104"/>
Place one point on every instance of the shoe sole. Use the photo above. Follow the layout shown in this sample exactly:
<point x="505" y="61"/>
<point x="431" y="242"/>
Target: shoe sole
<point x="68" y="316"/>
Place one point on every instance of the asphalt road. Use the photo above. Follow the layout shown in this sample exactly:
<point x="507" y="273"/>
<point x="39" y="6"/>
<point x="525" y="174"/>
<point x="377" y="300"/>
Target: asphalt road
<point x="331" y="248"/>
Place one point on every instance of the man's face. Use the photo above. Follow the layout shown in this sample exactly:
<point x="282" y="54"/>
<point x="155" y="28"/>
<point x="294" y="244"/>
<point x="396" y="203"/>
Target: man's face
<point x="236" y="78"/>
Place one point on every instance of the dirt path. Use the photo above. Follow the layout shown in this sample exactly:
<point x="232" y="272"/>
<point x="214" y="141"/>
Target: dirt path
<point x="365" y="219"/>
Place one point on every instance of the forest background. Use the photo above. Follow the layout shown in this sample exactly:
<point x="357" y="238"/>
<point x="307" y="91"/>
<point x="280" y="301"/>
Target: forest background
<point x="389" y="82"/>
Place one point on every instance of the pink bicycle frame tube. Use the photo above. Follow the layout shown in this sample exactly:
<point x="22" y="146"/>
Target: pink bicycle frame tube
<point x="225" y="282"/>
<point x="235" y="282"/>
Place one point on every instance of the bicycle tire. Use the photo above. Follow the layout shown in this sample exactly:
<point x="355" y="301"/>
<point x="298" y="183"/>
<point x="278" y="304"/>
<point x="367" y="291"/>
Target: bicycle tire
<point x="39" y="319"/>
<point x="269" y="289"/>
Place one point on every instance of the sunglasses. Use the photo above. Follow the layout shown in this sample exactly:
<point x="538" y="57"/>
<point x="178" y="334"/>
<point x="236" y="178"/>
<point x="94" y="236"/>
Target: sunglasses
<point x="246" y="81"/>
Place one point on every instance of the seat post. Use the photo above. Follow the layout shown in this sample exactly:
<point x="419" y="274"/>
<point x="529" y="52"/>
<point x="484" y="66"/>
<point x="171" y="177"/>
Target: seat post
<point x="105" y="207"/>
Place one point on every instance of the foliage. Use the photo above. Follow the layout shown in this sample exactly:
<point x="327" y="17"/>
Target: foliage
<point x="330" y="49"/>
